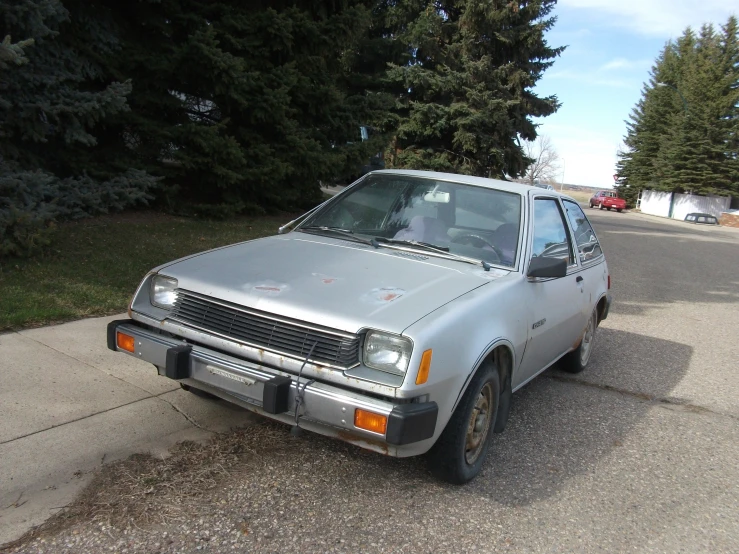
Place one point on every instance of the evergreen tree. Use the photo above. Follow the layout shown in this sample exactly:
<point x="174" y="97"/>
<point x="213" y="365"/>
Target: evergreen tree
<point x="465" y="82"/>
<point x="52" y="97"/>
<point x="13" y="53"/>
<point x="243" y="106"/>
<point x="682" y="135"/>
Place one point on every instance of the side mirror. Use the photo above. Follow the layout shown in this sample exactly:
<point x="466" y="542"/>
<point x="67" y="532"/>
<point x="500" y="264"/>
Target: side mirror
<point x="544" y="267"/>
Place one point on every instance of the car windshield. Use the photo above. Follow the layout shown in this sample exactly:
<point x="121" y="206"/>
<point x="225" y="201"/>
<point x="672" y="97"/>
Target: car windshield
<point x="431" y="215"/>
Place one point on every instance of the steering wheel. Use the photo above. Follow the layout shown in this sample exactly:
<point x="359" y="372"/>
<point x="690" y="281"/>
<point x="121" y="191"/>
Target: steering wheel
<point x="478" y="242"/>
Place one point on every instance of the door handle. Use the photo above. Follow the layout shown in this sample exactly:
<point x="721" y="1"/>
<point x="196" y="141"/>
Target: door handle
<point x="579" y="279"/>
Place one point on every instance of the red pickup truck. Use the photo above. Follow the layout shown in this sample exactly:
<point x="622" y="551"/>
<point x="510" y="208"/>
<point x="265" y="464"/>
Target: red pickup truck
<point x="607" y="199"/>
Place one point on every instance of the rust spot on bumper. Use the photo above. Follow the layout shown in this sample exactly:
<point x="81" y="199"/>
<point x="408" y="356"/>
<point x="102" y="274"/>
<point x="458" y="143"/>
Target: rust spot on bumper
<point x="375" y="445"/>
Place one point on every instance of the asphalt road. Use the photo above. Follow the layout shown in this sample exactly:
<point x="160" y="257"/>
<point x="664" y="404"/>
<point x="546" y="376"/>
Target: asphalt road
<point x="638" y="453"/>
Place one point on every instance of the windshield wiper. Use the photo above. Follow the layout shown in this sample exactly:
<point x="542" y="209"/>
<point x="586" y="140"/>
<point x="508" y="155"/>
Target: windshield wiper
<point x="443" y="250"/>
<point x="347" y="234"/>
<point x="425" y="245"/>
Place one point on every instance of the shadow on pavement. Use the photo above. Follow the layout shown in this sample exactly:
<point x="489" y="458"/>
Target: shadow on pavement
<point x="562" y="425"/>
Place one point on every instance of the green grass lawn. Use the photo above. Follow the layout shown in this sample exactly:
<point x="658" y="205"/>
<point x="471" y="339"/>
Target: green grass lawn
<point x="94" y="266"/>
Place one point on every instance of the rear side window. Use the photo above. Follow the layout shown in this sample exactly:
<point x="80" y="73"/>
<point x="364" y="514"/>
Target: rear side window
<point x="588" y="247"/>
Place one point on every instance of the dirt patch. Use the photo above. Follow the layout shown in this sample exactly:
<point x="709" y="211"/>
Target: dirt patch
<point x="145" y="490"/>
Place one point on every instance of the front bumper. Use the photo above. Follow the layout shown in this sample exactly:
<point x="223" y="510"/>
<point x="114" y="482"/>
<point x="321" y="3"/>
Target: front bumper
<point x="326" y="409"/>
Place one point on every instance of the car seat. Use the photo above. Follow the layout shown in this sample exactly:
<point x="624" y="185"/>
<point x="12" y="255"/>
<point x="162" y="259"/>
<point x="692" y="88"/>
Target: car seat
<point x="425" y="229"/>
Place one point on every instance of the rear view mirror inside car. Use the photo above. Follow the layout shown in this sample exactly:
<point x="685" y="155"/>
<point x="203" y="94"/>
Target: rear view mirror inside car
<point x="437" y="197"/>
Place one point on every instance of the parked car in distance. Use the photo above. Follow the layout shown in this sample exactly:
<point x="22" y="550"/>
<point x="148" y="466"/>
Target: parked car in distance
<point x="706" y="219"/>
<point x="607" y="199"/>
<point x="399" y="315"/>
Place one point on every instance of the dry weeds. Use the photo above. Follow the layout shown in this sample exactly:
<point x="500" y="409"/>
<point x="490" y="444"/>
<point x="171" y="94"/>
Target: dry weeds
<point x="144" y="490"/>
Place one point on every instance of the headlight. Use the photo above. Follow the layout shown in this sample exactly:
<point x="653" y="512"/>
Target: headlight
<point x="390" y="353"/>
<point x="162" y="292"/>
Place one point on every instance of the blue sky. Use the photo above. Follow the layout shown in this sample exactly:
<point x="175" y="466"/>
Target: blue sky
<point x="612" y="44"/>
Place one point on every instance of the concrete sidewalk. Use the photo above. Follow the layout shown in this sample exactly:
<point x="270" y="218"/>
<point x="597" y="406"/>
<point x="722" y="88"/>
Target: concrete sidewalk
<point x="68" y="405"/>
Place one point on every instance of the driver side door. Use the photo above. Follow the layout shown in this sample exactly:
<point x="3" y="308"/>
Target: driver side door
<point x="554" y="305"/>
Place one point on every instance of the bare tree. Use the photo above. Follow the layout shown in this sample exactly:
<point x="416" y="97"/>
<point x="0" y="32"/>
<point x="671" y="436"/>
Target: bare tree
<point x="545" y="167"/>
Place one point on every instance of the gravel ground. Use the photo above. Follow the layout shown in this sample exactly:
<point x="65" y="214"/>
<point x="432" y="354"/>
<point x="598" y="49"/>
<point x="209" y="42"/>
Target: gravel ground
<point x="636" y="454"/>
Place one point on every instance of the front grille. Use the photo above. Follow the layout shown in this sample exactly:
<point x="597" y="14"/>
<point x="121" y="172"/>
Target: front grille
<point x="263" y="330"/>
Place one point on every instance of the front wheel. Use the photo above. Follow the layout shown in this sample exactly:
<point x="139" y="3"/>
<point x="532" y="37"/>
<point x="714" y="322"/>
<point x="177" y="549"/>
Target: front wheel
<point x="591" y="204"/>
<point x="600" y="206"/>
<point x="458" y="455"/>
<point x="578" y="359"/>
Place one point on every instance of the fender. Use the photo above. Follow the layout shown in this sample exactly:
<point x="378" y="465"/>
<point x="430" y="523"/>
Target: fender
<point x="499" y="341"/>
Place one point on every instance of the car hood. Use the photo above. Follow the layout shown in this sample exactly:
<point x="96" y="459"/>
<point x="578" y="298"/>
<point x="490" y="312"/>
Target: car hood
<point x="330" y="282"/>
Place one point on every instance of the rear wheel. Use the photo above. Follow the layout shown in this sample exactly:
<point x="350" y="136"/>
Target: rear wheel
<point x="619" y="210"/>
<point x="578" y="359"/>
<point x="609" y="208"/>
<point x="458" y="455"/>
<point x="591" y="204"/>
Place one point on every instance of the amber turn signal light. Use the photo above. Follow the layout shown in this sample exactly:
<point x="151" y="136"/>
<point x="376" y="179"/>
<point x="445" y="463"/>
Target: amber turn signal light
<point x="370" y="421"/>
<point x="125" y="342"/>
<point x="423" y="369"/>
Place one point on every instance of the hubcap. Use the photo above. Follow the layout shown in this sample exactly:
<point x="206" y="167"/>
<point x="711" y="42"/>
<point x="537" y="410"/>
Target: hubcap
<point x="586" y="346"/>
<point x="479" y="424"/>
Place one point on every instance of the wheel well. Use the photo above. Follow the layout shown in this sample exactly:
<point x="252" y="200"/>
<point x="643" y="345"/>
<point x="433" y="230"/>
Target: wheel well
<point x="601" y="308"/>
<point x="503" y="359"/>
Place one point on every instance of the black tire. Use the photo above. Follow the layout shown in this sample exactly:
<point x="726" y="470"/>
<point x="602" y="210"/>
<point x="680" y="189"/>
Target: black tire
<point x="458" y="455"/>
<point x="198" y="392"/>
<point x="600" y="206"/>
<point x="577" y="360"/>
<point x="591" y="204"/>
<point x="619" y="210"/>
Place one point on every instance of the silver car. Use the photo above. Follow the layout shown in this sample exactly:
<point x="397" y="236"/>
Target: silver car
<point x="399" y="316"/>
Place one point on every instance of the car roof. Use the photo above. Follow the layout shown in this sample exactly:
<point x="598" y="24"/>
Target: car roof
<point x="508" y="186"/>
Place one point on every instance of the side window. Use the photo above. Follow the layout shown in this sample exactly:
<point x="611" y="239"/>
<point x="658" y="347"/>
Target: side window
<point x="588" y="246"/>
<point x="550" y="231"/>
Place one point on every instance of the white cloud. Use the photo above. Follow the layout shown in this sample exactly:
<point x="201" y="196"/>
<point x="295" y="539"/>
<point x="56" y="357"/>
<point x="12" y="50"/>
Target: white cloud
<point x="659" y="18"/>
<point x="624" y="64"/>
